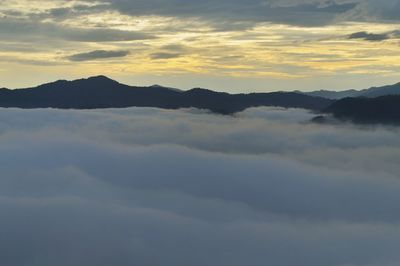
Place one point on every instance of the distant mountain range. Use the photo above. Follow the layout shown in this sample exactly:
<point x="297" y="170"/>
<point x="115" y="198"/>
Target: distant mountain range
<point x="368" y="93"/>
<point x="102" y="92"/>
<point x="377" y="105"/>
<point x="365" y="106"/>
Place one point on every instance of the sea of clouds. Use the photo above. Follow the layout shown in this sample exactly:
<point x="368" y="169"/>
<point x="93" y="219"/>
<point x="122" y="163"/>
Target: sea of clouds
<point x="151" y="187"/>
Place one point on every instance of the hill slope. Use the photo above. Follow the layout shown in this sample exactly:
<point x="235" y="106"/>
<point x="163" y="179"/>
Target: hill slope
<point x="333" y="95"/>
<point x="381" y="110"/>
<point x="102" y="92"/>
<point x="369" y="93"/>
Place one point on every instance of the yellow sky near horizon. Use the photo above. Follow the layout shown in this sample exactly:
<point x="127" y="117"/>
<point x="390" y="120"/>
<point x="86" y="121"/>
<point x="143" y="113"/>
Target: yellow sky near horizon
<point x="189" y="52"/>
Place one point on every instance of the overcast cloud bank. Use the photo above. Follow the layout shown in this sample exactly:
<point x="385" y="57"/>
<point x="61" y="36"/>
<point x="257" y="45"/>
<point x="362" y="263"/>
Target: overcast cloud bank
<point x="143" y="186"/>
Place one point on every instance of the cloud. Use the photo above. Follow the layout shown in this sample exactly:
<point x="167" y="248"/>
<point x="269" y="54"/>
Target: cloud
<point x="170" y="51"/>
<point x="370" y="36"/>
<point x="61" y="13"/>
<point x="103" y="35"/>
<point x="224" y="13"/>
<point x="143" y="186"/>
<point x="163" y="55"/>
<point x="297" y="13"/>
<point x="15" y="29"/>
<point x="371" y="10"/>
<point x="213" y="33"/>
<point x="98" y="54"/>
<point x="250" y="12"/>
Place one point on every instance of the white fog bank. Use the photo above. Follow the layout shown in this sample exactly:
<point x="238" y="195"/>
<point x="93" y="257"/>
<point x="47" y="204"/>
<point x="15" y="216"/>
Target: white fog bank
<point x="144" y="186"/>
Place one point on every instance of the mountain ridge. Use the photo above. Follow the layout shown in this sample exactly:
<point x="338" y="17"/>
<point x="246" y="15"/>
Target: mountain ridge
<point x="103" y="92"/>
<point x="372" y="92"/>
<point x="379" y="110"/>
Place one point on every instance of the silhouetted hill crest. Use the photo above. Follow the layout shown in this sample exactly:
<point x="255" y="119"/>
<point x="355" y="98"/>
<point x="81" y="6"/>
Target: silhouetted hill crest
<point x="103" y="92"/>
<point x="372" y="92"/>
<point x="379" y="110"/>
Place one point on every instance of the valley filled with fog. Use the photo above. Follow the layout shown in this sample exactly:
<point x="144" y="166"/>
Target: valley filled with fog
<point x="144" y="186"/>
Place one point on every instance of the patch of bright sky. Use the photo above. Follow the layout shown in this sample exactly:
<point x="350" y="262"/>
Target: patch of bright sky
<point x="285" y="57"/>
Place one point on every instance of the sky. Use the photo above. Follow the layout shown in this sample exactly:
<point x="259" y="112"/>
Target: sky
<point x="226" y="45"/>
<point x="143" y="186"/>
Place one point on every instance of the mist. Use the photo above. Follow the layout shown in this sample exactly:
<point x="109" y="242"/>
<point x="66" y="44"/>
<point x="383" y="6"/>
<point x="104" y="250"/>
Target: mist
<point x="144" y="186"/>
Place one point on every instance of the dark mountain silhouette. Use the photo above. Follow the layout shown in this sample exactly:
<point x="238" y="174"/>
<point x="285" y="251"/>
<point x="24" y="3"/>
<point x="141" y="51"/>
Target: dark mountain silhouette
<point x="369" y="93"/>
<point x="380" y="110"/>
<point x="169" y="88"/>
<point x="102" y="92"/>
<point x="381" y="91"/>
<point x="333" y="95"/>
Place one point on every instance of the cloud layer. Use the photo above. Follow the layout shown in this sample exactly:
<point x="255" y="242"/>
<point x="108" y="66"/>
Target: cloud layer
<point x="229" y="45"/>
<point x="98" y="54"/>
<point x="299" y="12"/>
<point x="144" y="186"/>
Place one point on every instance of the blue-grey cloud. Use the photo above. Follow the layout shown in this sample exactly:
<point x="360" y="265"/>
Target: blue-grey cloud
<point x="375" y="37"/>
<point x="143" y="186"/>
<point x="299" y="13"/>
<point x="68" y="12"/>
<point x="165" y="55"/>
<point x="98" y="54"/>
<point x="16" y="29"/>
<point x="231" y="15"/>
<point x="369" y="36"/>
<point x="387" y="10"/>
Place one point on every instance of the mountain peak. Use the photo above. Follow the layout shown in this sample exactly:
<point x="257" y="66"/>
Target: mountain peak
<point x="103" y="92"/>
<point x="101" y="78"/>
<point x="156" y="86"/>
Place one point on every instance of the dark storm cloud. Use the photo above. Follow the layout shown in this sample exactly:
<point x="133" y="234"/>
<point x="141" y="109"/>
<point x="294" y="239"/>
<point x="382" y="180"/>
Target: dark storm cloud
<point x="98" y="54"/>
